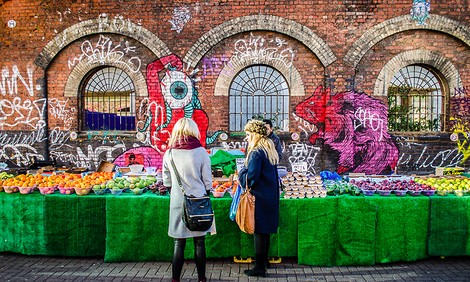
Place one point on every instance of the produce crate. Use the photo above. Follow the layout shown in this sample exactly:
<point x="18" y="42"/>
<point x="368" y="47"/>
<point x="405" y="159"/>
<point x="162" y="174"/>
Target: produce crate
<point x="440" y="171"/>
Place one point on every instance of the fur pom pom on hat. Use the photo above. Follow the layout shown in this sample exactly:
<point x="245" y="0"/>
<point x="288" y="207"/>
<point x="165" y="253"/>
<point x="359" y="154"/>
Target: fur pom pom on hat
<point x="256" y="126"/>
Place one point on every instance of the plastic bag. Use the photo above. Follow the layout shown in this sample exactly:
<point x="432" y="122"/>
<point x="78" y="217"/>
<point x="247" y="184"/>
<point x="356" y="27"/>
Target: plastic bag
<point x="235" y="201"/>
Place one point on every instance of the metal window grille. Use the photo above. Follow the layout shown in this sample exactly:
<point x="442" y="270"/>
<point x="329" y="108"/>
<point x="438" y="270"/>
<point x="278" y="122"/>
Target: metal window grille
<point x="258" y="91"/>
<point x="415" y="100"/>
<point x="108" y="101"/>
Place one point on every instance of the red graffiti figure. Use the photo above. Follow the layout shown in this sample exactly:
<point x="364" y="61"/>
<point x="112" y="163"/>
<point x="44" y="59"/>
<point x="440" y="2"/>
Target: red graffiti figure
<point x="353" y="124"/>
<point x="170" y="98"/>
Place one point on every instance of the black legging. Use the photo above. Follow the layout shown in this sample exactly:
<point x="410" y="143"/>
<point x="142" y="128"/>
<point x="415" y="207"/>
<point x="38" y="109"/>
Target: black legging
<point x="262" y="242"/>
<point x="199" y="257"/>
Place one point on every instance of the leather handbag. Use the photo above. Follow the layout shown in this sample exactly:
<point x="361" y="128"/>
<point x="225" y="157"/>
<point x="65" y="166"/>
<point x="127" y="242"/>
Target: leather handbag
<point x="245" y="216"/>
<point x="197" y="211"/>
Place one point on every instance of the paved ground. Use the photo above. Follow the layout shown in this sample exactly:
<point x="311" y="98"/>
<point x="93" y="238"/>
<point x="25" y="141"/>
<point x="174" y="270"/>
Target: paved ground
<point x="15" y="267"/>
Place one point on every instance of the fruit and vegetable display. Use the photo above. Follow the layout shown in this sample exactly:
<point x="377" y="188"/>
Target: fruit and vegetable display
<point x="219" y="188"/>
<point x="458" y="185"/>
<point x="387" y="186"/>
<point x="69" y="183"/>
<point x="335" y="187"/>
<point x="294" y="185"/>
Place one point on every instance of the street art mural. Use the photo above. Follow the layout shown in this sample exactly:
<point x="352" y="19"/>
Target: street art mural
<point x="420" y="11"/>
<point x="145" y="155"/>
<point x="460" y="122"/>
<point x="354" y="125"/>
<point x="170" y="98"/>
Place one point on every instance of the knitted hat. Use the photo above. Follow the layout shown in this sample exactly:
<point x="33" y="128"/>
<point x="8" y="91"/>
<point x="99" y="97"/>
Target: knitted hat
<point x="256" y="126"/>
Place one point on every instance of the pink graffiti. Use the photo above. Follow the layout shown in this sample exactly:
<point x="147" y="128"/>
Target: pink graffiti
<point x="361" y="139"/>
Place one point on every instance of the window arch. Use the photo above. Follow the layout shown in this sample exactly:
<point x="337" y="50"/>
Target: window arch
<point x="416" y="99"/>
<point x="258" y="91"/>
<point x="108" y="100"/>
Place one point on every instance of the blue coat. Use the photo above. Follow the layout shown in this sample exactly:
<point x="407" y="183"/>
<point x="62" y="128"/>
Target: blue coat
<point x="264" y="184"/>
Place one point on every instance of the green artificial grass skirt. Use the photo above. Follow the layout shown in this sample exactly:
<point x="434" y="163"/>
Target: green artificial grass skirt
<point x="75" y="225"/>
<point x="449" y="227"/>
<point x="22" y="223"/>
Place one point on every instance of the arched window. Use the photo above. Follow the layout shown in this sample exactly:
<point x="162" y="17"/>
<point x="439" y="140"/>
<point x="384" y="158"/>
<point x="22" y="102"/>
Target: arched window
<point x="258" y="91"/>
<point x="416" y="100"/>
<point x="108" y="100"/>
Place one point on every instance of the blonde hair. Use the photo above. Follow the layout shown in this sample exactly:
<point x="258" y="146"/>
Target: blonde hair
<point x="264" y="143"/>
<point x="183" y="128"/>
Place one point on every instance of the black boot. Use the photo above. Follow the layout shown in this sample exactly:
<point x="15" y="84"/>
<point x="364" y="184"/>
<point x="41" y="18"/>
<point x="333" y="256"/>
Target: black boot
<point x="260" y="257"/>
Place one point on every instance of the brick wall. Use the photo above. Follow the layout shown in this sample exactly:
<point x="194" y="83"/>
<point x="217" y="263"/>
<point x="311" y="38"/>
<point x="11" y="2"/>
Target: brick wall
<point x="49" y="47"/>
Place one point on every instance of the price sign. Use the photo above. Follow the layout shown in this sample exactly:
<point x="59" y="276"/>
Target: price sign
<point x="299" y="167"/>
<point x="240" y="163"/>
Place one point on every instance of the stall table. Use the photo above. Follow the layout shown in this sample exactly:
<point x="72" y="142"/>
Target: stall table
<point x="336" y="230"/>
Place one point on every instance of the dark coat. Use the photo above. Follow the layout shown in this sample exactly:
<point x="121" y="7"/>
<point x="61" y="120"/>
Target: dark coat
<point x="264" y="184"/>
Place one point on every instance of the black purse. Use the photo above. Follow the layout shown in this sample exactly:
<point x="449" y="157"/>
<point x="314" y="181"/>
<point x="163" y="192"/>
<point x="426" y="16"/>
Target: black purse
<point x="197" y="211"/>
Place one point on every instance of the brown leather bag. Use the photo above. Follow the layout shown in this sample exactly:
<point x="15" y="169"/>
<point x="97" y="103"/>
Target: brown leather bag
<point x="245" y="216"/>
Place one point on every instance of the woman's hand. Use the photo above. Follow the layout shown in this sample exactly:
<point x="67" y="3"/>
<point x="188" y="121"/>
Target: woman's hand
<point x="162" y="190"/>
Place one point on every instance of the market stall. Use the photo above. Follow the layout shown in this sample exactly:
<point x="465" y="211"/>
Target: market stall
<point x="336" y="230"/>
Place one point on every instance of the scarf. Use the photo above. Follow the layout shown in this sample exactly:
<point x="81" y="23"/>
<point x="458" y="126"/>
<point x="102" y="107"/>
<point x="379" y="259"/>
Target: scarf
<point x="186" y="143"/>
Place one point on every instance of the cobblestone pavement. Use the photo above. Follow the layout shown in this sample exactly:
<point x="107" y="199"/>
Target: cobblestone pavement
<point x="16" y="267"/>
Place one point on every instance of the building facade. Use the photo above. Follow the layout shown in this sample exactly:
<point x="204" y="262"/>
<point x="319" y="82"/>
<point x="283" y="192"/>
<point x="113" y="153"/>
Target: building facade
<point x="351" y="86"/>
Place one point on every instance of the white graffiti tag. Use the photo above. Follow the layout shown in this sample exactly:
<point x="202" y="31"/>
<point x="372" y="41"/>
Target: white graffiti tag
<point x="304" y="153"/>
<point x="9" y="83"/>
<point x="104" y="52"/>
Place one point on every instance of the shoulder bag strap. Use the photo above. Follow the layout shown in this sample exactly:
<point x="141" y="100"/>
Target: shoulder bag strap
<point x="246" y="184"/>
<point x="176" y="172"/>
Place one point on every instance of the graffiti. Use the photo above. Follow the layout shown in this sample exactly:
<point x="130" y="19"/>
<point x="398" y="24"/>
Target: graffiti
<point x="181" y="15"/>
<point x="171" y="98"/>
<point x="118" y="24"/>
<point x="22" y="138"/>
<point x="62" y="111"/>
<point x="305" y="126"/>
<point x="304" y="153"/>
<point x="62" y="15"/>
<point x="20" y="154"/>
<point x="22" y="112"/>
<point x="92" y="158"/>
<point x="420" y="11"/>
<point x="366" y="119"/>
<point x="258" y="49"/>
<point x="460" y="121"/>
<point x="233" y="145"/>
<point x="9" y="85"/>
<point x="352" y="124"/>
<point x="151" y="157"/>
<point x="461" y="92"/>
<point x="104" y="52"/>
<point x="420" y="159"/>
<point x="59" y="138"/>
<point x="214" y="65"/>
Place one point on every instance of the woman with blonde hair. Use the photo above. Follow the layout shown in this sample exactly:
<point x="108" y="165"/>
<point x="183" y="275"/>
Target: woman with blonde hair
<point x="194" y="167"/>
<point x="260" y="173"/>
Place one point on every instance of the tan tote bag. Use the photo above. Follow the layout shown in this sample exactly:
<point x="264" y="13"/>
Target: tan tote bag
<point x="245" y="216"/>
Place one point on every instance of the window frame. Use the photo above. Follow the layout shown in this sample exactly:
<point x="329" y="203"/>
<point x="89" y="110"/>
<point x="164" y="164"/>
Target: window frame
<point x="133" y="100"/>
<point x="281" y="113"/>
<point x="442" y="116"/>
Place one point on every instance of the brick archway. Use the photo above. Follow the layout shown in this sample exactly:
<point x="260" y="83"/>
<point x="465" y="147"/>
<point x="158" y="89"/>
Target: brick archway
<point x="400" y="24"/>
<point x="434" y="59"/>
<point x="102" y="24"/>
<point x="260" y="22"/>
<point x="296" y="85"/>
<point x="81" y="69"/>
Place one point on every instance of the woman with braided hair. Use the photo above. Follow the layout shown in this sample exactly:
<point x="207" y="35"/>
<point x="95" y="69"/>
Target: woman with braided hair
<point x="260" y="173"/>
